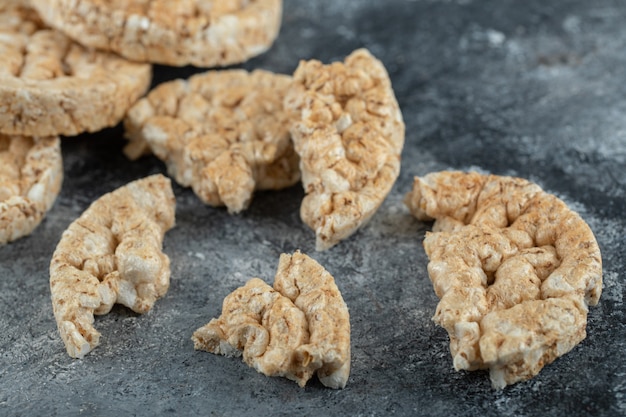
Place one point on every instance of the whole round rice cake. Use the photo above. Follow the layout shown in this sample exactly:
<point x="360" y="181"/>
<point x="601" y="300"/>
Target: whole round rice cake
<point x="51" y="85"/>
<point x="203" y="33"/>
<point x="31" y="174"/>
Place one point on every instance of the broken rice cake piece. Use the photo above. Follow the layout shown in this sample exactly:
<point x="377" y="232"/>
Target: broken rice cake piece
<point x="348" y="131"/>
<point x="515" y="270"/>
<point x="31" y="174"/>
<point x="224" y="133"/>
<point x="298" y="328"/>
<point x="111" y="254"/>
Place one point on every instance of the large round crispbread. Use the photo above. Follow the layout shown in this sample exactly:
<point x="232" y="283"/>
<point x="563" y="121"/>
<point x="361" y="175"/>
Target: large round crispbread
<point x="203" y="33"/>
<point x="31" y="174"/>
<point x="50" y="85"/>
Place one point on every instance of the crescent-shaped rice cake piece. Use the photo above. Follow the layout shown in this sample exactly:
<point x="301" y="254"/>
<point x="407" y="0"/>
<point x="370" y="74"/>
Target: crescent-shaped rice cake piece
<point x="50" y="85"/>
<point x="296" y="329"/>
<point x="224" y="133"/>
<point x="203" y="33"/>
<point x="111" y="254"/>
<point x="313" y="290"/>
<point x="515" y="270"/>
<point x="349" y="133"/>
<point x="31" y="174"/>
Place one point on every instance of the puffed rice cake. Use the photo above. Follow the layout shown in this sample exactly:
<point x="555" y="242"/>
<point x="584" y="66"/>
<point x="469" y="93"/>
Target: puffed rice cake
<point x="31" y="174"/>
<point x="298" y="328"/>
<point x="203" y="33"/>
<point x="50" y="85"/>
<point x="349" y="133"/>
<point x="111" y="254"/>
<point x="224" y="133"/>
<point x="515" y="270"/>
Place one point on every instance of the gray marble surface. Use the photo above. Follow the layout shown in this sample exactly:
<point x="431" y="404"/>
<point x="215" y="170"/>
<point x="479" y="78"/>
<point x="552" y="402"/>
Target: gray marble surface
<point x="533" y="88"/>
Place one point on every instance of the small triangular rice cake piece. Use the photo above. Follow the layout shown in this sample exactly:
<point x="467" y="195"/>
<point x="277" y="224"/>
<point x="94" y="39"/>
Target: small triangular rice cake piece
<point x="296" y="329"/>
<point x="263" y="326"/>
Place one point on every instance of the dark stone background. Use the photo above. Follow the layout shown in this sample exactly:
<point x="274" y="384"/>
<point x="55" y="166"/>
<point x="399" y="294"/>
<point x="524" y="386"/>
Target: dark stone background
<point x="534" y="88"/>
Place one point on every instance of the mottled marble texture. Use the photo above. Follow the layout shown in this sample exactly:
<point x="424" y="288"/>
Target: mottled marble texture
<point x="529" y="88"/>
